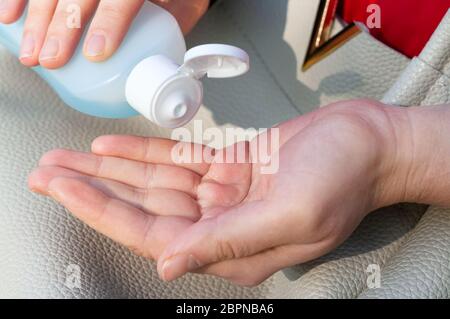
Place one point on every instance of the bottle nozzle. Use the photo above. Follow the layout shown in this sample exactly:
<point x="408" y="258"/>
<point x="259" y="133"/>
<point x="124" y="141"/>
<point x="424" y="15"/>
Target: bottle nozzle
<point x="179" y="110"/>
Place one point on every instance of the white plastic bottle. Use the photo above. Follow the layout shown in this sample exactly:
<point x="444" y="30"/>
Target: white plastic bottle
<point x="149" y="74"/>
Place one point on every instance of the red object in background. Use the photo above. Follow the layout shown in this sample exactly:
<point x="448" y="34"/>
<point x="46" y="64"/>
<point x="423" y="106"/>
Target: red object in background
<point x="406" y="25"/>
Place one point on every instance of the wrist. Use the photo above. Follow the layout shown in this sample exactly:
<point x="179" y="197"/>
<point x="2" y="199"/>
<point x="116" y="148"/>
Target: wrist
<point x="416" y="161"/>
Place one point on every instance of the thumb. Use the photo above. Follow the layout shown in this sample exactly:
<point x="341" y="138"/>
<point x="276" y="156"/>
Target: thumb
<point x="243" y="231"/>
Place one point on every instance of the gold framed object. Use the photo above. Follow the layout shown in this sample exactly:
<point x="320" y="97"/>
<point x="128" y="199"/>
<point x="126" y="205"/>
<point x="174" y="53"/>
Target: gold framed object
<point x="322" y="43"/>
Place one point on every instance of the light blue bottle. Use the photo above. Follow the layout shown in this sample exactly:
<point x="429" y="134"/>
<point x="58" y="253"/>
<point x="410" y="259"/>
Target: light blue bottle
<point x="153" y="51"/>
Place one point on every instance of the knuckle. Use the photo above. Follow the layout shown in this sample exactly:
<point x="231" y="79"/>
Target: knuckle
<point x="225" y="250"/>
<point x="112" y="10"/>
<point x="37" y="11"/>
<point x="149" y="175"/>
<point x="228" y="247"/>
<point x="99" y="166"/>
<point x="142" y="247"/>
<point x="63" y="24"/>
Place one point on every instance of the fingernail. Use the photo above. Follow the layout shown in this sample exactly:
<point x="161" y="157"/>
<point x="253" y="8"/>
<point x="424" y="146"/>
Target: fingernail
<point x="51" y="49"/>
<point x="28" y="45"/>
<point x="96" y="45"/>
<point x="178" y="265"/>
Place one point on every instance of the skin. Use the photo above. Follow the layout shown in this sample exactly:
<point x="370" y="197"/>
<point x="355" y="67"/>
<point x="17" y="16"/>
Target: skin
<point x="337" y="165"/>
<point x="48" y="41"/>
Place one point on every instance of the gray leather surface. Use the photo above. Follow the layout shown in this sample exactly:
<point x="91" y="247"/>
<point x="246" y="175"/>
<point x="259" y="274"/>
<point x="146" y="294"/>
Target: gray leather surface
<point x="421" y="266"/>
<point x="39" y="239"/>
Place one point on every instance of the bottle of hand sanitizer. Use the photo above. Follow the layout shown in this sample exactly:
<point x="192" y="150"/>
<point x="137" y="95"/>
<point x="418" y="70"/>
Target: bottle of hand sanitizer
<point x="151" y="73"/>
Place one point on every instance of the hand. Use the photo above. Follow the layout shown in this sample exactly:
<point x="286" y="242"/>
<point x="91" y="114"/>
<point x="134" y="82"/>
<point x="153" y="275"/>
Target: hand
<point x="47" y="40"/>
<point x="230" y="220"/>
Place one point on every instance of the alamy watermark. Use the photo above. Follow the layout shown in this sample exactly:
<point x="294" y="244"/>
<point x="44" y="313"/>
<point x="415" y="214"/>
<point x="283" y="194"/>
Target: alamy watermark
<point x="374" y="18"/>
<point x="73" y="20"/>
<point x="238" y="146"/>
<point x="73" y="276"/>
<point x="374" y="277"/>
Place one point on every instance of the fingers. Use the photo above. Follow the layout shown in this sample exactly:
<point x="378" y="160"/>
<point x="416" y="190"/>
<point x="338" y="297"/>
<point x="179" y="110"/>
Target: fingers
<point x="157" y="201"/>
<point x="154" y="150"/>
<point x="134" y="173"/>
<point x="11" y="10"/>
<point x="64" y="32"/>
<point x="144" y="234"/>
<point x="53" y="28"/>
<point x="109" y="27"/>
<point x="109" y="216"/>
<point x="39" y="16"/>
<point x="244" y="231"/>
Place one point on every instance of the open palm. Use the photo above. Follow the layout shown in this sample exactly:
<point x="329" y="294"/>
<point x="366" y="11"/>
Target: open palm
<point x="228" y="219"/>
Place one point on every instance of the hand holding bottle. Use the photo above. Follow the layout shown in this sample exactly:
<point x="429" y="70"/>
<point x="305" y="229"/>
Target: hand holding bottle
<point x="48" y="40"/>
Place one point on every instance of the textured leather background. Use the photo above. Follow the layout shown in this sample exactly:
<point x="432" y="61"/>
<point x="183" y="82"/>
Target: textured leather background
<point x="39" y="239"/>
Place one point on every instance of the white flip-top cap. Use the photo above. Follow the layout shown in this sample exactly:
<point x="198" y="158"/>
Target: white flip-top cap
<point x="170" y="95"/>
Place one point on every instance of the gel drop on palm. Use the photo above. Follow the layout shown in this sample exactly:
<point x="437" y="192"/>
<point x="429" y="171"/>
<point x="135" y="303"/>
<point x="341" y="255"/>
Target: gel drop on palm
<point x="151" y="73"/>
